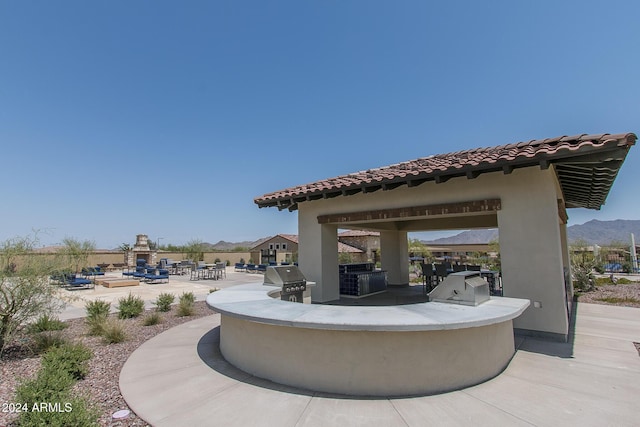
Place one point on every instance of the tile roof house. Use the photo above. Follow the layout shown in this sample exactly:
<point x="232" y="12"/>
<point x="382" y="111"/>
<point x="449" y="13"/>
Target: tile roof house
<point x="524" y="189"/>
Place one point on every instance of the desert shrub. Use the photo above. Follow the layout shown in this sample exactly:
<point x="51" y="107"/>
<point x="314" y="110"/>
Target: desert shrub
<point x="188" y="296"/>
<point x="97" y="308"/>
<point x="185" y="304"/>
<point x="97" y="313"/>
<point x="152" y="319"/>
<point x="130" y="306"/>
<point x="113" y="331"/>
<point x="95" y="325"/>
<point x="70" y="358"/>
<point x="47" y="399"/>
<point x="47" y="323"/>
<point x="45" y="387"/>
<point x="43" y="341"/>
<point x="164" y="301"/>
<point x="582" y="265"/>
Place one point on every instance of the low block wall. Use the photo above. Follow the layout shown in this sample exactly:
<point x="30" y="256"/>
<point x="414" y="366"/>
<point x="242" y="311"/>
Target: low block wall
<point x="368" y="363"/>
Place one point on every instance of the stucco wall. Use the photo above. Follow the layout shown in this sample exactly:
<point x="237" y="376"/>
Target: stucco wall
<point x="367" y="362"/>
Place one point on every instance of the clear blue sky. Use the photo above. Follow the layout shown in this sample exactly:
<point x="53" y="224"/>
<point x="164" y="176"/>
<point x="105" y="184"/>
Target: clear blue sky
<point x="167" y="118"/>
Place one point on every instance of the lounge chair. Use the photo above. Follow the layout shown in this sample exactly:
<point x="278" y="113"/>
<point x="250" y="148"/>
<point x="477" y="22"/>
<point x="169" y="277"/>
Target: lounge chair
<point x="153" y="275"/>
<point x="92" y="272"/>
<point x="72" y="282"/>
<point x="240" y="266"/>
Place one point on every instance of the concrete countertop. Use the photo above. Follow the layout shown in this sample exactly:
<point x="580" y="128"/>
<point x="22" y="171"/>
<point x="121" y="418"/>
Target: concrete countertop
<point x="252" y="302"/>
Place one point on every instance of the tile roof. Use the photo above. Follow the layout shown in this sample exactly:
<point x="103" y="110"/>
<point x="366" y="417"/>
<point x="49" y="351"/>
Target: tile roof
<point x="586" y="166"/>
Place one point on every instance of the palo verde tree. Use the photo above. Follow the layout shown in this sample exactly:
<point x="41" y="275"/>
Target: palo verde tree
<point x="75" y="253"/>
<point x="194" y="250"/>
<point x="25" y="291"/>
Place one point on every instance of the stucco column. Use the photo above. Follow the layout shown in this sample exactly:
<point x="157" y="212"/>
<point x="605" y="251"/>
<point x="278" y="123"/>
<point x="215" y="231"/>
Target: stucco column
<point x="394" y="256"/>
<point x="318" y="256"/>
<point x="532" y="255"/>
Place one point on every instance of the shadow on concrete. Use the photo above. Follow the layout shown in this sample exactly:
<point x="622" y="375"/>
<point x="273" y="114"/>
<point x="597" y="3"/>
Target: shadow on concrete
<point x="208" y="349"/>
<point x="550" y="347"/>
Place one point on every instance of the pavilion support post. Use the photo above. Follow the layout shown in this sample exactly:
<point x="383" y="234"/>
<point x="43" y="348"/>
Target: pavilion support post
<point x="394" y="248"/>
<point x="533" y="255"/>
<point x="318" y="258"/>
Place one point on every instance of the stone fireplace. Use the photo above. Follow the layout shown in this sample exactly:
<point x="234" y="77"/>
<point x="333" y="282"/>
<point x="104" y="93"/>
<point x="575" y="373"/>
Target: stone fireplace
<point x="141" y="250"/>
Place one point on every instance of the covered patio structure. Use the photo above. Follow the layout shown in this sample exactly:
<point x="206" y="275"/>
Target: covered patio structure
<point x="523" y="189"/>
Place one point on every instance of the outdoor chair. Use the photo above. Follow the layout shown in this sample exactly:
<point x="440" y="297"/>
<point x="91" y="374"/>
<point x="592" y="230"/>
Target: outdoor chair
<point x="197" y="272"/>
<point x="92" y="272"/>
<point x="240" y="266"/>
<point x="429" y="278"/>
<point x="262" y="268"/>
<point x="153" y="275"/>
<point x="459" y="267"/>
<point x="221" y="270"/>
<point x="251" y="268"/>
<point x="441" y="272"/>
<point x="72" y="283"/>
<point x="140" y="272"/>
<point x="474" y="268"/>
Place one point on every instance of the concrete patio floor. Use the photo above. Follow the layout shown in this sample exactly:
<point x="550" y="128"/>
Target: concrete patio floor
<point x="180" y="378"/>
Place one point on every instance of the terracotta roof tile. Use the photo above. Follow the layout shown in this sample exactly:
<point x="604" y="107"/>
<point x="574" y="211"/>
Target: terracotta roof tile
<point x="473" y="161"/>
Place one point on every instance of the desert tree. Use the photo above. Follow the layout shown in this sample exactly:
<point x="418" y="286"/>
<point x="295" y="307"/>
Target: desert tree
<point x="75" y="253"/>
<point x="583" y="263"/>
<point x="194" y="250"/>
<point x="25" y="289"/>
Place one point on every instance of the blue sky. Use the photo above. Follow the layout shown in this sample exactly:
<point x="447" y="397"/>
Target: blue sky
<point x="168" y="118"/>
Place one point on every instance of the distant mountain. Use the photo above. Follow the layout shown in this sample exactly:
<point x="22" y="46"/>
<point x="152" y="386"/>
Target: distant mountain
<point x="594" y="231"/>
<point x="468" y="237"/>
<point x="605" y="232"/>
<point x="229" y="246"/>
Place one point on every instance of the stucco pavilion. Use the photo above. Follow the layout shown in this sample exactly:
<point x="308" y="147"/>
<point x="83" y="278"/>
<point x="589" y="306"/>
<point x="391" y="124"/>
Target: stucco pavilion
<point x="524" y="189"/>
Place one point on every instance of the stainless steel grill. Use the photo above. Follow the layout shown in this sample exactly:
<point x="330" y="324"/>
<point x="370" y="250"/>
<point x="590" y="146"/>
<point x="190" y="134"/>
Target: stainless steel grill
<point x="289" y="278"/>
<point x="464" y="287"/>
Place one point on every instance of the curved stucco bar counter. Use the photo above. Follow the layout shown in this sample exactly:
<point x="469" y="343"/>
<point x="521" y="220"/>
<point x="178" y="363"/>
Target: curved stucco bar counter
<point x="399" y="350"/>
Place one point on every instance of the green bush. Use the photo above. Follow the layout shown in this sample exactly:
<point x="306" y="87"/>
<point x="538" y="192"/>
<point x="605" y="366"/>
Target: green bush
<point x="185" y="305"/>
<point x="47" y="386"/>
<point x="70" y="358"/>
<point x="152" y="319"/>
<point x="113" y="331"/>
<point x="46" y="323"/>
<point x="95" y="325"/>
<point x="130" y="306"/>
<point x="53" y="388"/>
<point x="97" y="309"/>
<point x="164" y="301"/>
<point x="43" y="341"/>
<point x="188" y="296"/>
<point x="47" y="398"/>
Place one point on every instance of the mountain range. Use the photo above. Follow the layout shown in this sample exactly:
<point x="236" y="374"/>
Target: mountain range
<point x="592" y="232"/>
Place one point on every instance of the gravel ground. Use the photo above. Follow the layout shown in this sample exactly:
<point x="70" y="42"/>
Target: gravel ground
<point x="628" y="295"/>
<point x="101" y="384"/>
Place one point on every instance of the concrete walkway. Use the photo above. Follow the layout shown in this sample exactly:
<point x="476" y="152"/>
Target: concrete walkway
<point x="180" y="378"/>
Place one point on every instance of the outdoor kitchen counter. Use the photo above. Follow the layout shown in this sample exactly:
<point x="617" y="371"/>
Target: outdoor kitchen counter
<point x="252" y="302"/>
<point x="399" y="350"/>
